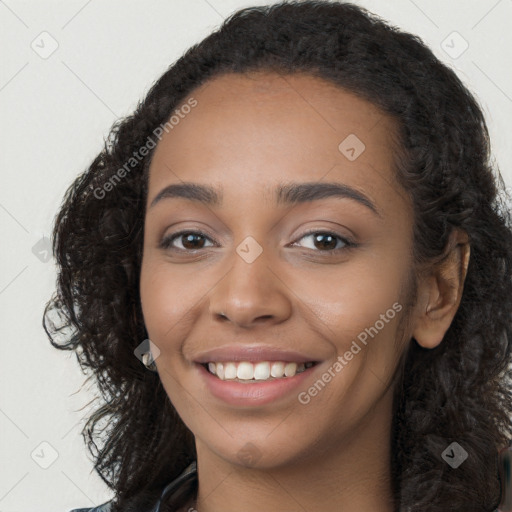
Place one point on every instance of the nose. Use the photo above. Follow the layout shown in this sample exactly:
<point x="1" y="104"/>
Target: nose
<point x="251" y="294"/>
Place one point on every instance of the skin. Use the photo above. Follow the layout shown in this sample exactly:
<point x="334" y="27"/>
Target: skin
<point x="247" y="134"/>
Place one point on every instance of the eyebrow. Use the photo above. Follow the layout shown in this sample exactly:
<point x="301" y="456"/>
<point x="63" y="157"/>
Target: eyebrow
<point x="285" y="194"/>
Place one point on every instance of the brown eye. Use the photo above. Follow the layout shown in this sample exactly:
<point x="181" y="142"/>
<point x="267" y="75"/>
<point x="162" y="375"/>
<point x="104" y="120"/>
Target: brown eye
<point x="191" y="241"/>
<point x="325" y="241"/>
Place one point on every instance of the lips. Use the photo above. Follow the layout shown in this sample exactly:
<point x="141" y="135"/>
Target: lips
<point x="253" y="375"/>
<point x="253" y="354"/>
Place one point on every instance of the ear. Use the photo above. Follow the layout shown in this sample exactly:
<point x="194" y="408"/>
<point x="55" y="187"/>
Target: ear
<point x="440" y="291"/>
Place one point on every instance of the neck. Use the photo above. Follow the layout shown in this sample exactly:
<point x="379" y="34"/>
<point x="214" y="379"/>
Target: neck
<point x="351" y="476"/>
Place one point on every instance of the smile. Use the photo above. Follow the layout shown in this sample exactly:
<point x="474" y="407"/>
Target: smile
<point x="245" y="371"/>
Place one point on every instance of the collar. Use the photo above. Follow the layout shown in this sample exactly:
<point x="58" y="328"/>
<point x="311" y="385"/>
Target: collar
<point x="190" y="472"/>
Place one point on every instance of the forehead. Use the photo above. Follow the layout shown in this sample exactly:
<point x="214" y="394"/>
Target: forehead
<point x="297" y="96"/>
<point x="250" y="131"/>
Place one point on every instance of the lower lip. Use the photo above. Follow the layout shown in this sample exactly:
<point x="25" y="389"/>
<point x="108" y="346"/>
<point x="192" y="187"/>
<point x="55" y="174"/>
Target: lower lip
<point x="253" y="393"/>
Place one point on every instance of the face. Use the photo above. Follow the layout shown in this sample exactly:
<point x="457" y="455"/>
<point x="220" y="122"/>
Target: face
<point x="300" y="254"/>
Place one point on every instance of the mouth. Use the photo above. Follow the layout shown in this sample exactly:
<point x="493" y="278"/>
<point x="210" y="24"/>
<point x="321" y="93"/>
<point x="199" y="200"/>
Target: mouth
<point x="259" y="371"/>
<point x="243" y="375"/>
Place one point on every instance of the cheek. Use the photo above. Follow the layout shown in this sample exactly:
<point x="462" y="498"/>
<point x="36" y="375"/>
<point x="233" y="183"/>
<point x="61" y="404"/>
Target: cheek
<point x="373" y="314"/>
<point x="360" y="307"/>
<point x="349" y="298"/>
<point x="361" y="310"/>
<point x="173" y="298"/>
<point x="166" y="298"/>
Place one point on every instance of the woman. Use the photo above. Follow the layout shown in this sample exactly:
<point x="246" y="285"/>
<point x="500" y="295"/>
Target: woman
<point x="289" y="271"/>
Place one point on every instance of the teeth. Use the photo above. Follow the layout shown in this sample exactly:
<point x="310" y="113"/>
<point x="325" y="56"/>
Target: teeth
<point x="277" y="370"/>
<point x="290" y="369"/>
<point x="219" y="370"/>
<point x="229" y="371"/>
<point x="263" y="370"/>
<point x="245" y="371"/>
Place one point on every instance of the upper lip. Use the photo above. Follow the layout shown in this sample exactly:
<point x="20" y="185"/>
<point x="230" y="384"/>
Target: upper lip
<point x="252" y="353"/>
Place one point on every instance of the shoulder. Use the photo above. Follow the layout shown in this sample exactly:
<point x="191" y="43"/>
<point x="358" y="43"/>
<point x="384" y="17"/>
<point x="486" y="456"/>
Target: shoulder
<point x="190" y="472"/>
<point x="105" y="507"/>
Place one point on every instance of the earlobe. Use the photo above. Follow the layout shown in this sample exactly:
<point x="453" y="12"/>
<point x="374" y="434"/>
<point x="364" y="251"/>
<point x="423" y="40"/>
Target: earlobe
<point x="440" y="292"/>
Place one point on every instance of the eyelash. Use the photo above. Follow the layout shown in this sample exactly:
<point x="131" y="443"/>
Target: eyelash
<point x="166" y="243"/>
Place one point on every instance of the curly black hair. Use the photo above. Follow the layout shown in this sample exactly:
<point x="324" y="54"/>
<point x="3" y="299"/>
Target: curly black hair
<point x="459" y="391"/>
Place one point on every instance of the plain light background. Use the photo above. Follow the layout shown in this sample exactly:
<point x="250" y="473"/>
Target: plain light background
<point x="56" y="108"/>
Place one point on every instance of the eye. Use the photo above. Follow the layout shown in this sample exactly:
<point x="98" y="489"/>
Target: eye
<point x="326" y="241"/>
<point x="191" y="241"/>
<point x="322" y="241"/>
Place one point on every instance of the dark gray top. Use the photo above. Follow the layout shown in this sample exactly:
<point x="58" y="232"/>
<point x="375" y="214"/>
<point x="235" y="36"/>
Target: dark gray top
<point x="188" y="473"/>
